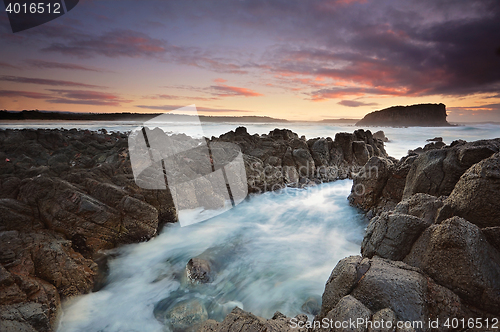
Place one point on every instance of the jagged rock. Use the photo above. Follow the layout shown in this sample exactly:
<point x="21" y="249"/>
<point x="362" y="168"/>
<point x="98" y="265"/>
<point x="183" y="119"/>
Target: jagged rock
<point x="360" y="152"/>
<point x="242" y="321"/>
<point x="424" y="115"/>
<point x="369" y="182"/>
<point x="64" y="208"/>
<point x="476" y="195"/>
<point x="456" y="255"/>
<point x="381" y="136"/>
<point x="391" y="236"/>
<point x="436" y="172"/>
<point x="394" y="187"/>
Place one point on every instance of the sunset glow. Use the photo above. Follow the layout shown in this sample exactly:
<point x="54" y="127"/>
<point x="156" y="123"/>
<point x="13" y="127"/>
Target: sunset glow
<point x="295" y="60"/>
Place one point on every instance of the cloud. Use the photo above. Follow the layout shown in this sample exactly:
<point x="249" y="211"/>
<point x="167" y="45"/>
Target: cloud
<point x="223" y="90"/>
<point x="199" y="109"/>
<point x="113" y="44"/>
<point x="7" y="65"/>
<point x="176" y="97"/>
<point x="60" y="65"/>
<point x="355" y="103"/>
<point x="85" y="97"/>
<point x="43" y="81"/>
<point x="25" y="94"/>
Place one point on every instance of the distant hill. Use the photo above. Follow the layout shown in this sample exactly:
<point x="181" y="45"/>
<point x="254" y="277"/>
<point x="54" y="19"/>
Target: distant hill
<point x="68" y="116"/>
<point x="423" y="115"/>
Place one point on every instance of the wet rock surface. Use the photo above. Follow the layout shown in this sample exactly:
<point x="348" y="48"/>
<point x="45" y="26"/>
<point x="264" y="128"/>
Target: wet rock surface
<point x="67" y="197"/>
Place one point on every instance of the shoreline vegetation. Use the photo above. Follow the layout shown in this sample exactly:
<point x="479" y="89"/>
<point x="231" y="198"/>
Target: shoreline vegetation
<point x="431" y="250"/>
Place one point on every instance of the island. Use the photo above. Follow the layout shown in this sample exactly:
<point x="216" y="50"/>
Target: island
<point x="419" y="115"/>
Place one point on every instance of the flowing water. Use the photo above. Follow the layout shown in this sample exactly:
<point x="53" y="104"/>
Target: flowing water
<point x="273" y="252"/>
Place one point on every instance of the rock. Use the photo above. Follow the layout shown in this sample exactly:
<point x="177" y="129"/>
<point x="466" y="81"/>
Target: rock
<point x="304" y="162"/>
<point x="436" y="172"/>
<point x="369" y="182"/>
<point x="424" y="115"/>
<point x="476" y="195"/>
<point x="396" y="180"/>
<point x="348" y="309"/>
<point x="422" y="206"/>
<point x="456" y="255"/>
<point x="360" y="152"/>
<point x="492" y="234"/>
<point x="241" y="321"/>
<point x="381" y="136"/>
<point x="391" y="236"/>
<point x="341" y="281"/>
<point x="66" y="209"/>
<point x="199" y="270"/>
<point x="379" y="284"/>
<point x="312" y="306"/>
<point x="435" y="139"/>
<point x="383" y="321"/>
<point x="186" y="315"/>
<point x="27" y="317"/>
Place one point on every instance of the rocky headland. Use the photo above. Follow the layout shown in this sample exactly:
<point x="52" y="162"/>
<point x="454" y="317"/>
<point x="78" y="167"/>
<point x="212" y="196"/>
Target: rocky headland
<point x="68" y="197"/>
<point x="421" y="115"/>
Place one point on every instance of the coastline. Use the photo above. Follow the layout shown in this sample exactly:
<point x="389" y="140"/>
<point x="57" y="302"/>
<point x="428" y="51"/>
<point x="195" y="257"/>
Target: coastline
<point x="43" y="190"/>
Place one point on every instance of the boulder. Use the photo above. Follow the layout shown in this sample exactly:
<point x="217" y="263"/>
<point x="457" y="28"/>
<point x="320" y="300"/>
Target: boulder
<point x="199" y="270"/>
<point x="456" y="255"/>
<point x="476" y="195"/>
<point x="186" y="314"/>
<point x="379" y="284"/>
<point x="369" y="182"/>
<point x="436" y="172"/>
<point x="348" y="309"/>
<point x="391" y="236"/>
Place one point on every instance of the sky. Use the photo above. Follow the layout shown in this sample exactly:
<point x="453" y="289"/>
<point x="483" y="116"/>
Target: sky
<point x="289" y="59"/>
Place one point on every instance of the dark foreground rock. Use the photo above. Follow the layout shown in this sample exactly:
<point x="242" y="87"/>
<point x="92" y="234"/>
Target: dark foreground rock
<point x="69" y="196"/>
<point x="431" y="249"/>
<point x="424" y="115"/>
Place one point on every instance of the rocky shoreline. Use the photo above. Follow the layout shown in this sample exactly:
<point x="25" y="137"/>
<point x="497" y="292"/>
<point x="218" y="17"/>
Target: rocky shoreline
<point x="431" y="250"/>
<point x="68" y="196"/>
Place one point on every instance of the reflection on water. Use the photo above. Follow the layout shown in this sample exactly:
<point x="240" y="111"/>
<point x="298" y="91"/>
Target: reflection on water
<point x="272" y="252"/>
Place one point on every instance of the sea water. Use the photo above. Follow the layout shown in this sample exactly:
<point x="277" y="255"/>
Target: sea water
<point x="274" y="251"/>
<point x="400" y="139"/>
